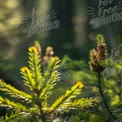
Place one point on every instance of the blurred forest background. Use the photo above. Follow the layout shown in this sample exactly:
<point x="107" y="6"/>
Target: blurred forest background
<point x="75" y="36"/>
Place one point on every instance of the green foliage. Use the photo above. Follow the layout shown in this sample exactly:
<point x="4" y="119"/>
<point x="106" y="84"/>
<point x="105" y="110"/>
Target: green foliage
<point x="64" y="101"/>
<point x="111" y="83"/>
<point x="80" y="116"/>
<point x="100" y="38"/>
<point x="96" y="57"/>
<point x="35" y="103"/>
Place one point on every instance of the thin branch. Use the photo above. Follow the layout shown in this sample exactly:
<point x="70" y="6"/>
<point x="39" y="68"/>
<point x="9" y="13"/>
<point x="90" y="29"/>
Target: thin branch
<point x="120" y="87"/>
<point x="103" y="97"/>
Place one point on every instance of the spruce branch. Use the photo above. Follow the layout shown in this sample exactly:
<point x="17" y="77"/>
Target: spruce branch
<point x="41" y="85"/>
<point x="98" y="62"/>
<point x="51" y="76"/>
<point x="64" y="101"/>
<point x="15" y="92"/>
<point x="35" y="65"/>
<point x="10" y="103"/>
<point x="83" y="102"/>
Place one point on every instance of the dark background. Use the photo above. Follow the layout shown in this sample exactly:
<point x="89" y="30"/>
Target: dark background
<point x="75" y="36"/>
